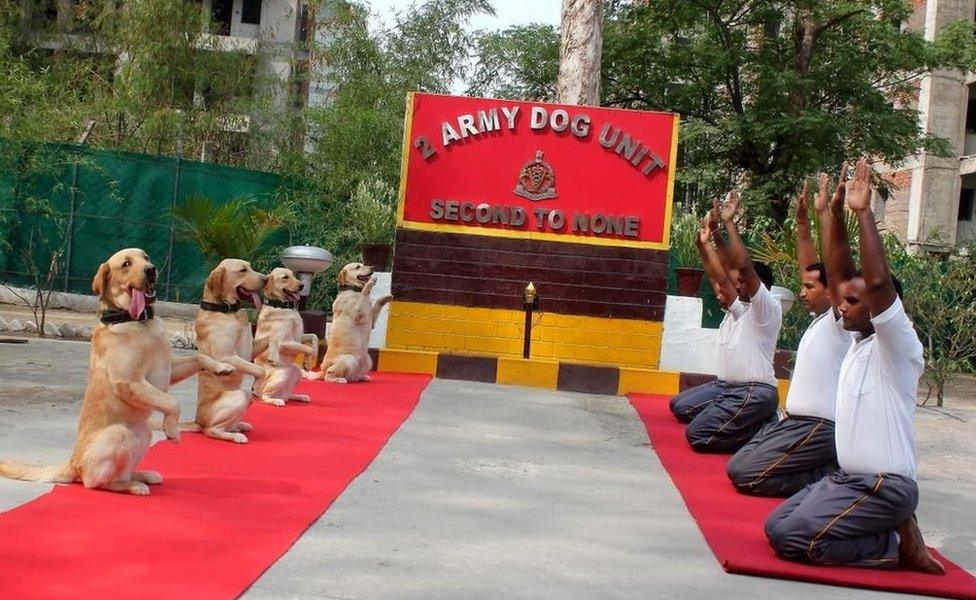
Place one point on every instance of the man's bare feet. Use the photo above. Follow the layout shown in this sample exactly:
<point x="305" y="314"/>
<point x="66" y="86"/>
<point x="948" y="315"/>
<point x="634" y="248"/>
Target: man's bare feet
<point x="912" y="553"/>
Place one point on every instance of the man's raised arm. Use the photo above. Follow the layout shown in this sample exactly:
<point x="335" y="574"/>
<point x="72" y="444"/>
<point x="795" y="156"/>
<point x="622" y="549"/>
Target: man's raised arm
<point x="711" y="261"/>
<point x="874" y="266"/>
<point x="806" y="252"/>
<point x="738" y="255"/>
<point x="833" y="229"/>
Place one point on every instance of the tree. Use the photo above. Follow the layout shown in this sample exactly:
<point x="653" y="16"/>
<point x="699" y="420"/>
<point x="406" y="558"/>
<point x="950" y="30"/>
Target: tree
<point x="771" y="91"/>
<point x="940" y="297"/>
<point x="580" y="51"/>
<point x="147" y="75"/>
<point x="530" y="56"/>
<point x="357" y="136"/>
<point x="768" y="91"/>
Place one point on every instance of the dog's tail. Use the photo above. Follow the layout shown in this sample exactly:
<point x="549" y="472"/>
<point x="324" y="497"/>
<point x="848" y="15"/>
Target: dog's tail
<point x="59" y="473"/>
<point x="379" y="306"/>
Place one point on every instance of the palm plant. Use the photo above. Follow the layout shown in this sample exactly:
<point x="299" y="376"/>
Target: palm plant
<point x="237" y="228"/>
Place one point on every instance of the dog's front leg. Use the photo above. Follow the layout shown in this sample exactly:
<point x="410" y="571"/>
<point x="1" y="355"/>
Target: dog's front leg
<point x="244" y="365"/>
<point x="274" y="352"/>
<point x="297" y="348"/>
<point x="188" y="366"/>
<point x="141" y="393"/>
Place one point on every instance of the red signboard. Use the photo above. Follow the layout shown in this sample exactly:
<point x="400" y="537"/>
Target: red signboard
<point x="536" y="170"/>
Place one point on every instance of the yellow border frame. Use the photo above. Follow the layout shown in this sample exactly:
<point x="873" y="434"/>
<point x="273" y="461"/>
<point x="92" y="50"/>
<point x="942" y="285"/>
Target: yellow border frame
<point x="664" y="244"/>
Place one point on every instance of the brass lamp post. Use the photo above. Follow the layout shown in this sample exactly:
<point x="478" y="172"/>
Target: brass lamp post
<point x="530" y="303"/>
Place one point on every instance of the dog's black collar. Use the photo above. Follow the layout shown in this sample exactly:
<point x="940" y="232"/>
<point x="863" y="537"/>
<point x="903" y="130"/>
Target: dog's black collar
<point x="278" y="303"/>
<point x="117" y="315"/>
<point x="351" y="288"/>
<point x="224" y="307"/>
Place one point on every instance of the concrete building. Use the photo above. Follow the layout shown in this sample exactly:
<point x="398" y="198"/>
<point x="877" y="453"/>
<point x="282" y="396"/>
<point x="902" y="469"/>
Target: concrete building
<point x="931" y="201"/>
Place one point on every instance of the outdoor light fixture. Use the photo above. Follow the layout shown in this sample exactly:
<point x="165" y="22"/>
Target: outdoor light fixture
<point x="531" y="302"/>
<point x="305" y="262"/>
<point x="785" y="296"/>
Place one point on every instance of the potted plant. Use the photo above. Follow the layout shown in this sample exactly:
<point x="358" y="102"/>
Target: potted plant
<point x="238" y="228"/>
<point x="372" y="215"/>
<point x="684" y="229"/>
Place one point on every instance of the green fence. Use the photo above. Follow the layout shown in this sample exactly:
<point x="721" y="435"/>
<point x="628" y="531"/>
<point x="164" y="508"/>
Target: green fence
<point x="104" y="201"/>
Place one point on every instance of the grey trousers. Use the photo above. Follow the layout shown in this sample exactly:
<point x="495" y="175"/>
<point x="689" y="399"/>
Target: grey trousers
<point x="784" y="457"/>
<point x="844" y="519"/>
<point x="723" y="416"/>
<point x="692" y="401"/>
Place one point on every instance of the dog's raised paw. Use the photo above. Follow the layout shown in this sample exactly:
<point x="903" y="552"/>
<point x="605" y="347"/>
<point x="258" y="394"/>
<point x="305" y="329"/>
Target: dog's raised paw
<point x="225" y="369"/>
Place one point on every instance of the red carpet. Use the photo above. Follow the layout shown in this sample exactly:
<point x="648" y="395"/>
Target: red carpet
<point x="225" y="512"/>
<point x="732" y="523"/>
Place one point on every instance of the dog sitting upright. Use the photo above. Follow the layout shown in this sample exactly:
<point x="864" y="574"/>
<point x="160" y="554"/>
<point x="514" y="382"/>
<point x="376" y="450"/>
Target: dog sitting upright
<point x="129" y="374"/>
<point x="224" y="334"/>
<point x="353" y="317"/>
<point x="278" y="339"/>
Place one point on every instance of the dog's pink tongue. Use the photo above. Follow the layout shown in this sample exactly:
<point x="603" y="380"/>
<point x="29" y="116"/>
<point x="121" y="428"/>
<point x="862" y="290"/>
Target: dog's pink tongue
<point x="256" y="301"/>
<point x="137" y="304"/>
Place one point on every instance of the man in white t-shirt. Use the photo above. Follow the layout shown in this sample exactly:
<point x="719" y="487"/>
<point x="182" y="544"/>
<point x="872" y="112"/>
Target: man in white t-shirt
<point x="724" y="414"/>
<point x="790" y="454"/>
<point x="863" y="514"/>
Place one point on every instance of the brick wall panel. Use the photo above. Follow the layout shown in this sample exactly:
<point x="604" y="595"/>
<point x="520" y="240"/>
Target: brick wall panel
<point x="577" y="279"/>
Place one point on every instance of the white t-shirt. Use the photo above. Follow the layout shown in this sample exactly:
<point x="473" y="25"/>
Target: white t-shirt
<point x="876" y="392"/>
<point x="747" y="339"/>
<point x="813" y="388"/>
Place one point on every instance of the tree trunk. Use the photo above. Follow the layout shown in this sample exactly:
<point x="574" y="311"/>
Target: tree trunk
<point x="580" y="52"/>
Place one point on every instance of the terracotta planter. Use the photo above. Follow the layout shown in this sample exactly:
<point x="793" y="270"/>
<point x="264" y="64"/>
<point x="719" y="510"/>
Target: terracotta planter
<point x="376" y="255"/>
<point x="689" y="280"/>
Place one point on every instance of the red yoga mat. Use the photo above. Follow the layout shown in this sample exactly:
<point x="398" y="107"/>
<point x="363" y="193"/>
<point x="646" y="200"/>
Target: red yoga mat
<point x="225" y="512"/>
<point x="732" y="523"/>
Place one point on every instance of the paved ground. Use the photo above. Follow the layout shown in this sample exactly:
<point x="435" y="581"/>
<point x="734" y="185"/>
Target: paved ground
<point x="493" y="491"/>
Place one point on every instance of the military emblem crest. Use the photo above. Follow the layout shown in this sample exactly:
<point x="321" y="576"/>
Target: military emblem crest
<point x="536" y="180"/>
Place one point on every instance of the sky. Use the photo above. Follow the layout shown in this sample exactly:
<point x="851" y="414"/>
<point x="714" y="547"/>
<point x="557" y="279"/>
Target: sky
<point x="507" y="12"/>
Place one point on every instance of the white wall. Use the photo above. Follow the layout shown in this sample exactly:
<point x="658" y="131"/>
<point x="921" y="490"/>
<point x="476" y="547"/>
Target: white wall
<point x="686" y="345"/>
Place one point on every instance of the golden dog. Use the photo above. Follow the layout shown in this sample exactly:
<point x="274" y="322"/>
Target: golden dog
<point x="353" y="317"/>
<point x="278" y="339"/>
<point x="130" y="371"/>
<point x="224" y="334"/>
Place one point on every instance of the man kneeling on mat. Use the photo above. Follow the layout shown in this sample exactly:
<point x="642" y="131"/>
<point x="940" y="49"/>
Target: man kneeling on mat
<point x="786" y="456"/>
<point x="863" y="514"/>
<point x="724" y="414"/>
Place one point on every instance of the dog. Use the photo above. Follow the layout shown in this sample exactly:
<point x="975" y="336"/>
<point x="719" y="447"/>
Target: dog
<point x="278" y="339"/>
<point x="224" y="334"/>
<point x="353" y="317"/>
<point x="130" y="371"/>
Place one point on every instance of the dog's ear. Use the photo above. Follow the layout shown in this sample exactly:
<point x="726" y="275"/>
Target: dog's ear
<point x="215" y="282"/>
<point x="342" y="276"/>
<point x="100" y="282"/>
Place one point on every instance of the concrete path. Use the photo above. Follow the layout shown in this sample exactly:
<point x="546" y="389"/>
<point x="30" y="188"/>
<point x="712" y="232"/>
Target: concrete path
<point x="498" y="492"/>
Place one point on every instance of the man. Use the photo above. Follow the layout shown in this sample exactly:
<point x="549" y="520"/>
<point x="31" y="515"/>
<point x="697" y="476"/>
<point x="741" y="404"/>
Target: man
<point x="863" y="514"/>
<point x="786" y="456"/>
<point x="724" y="414"/>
